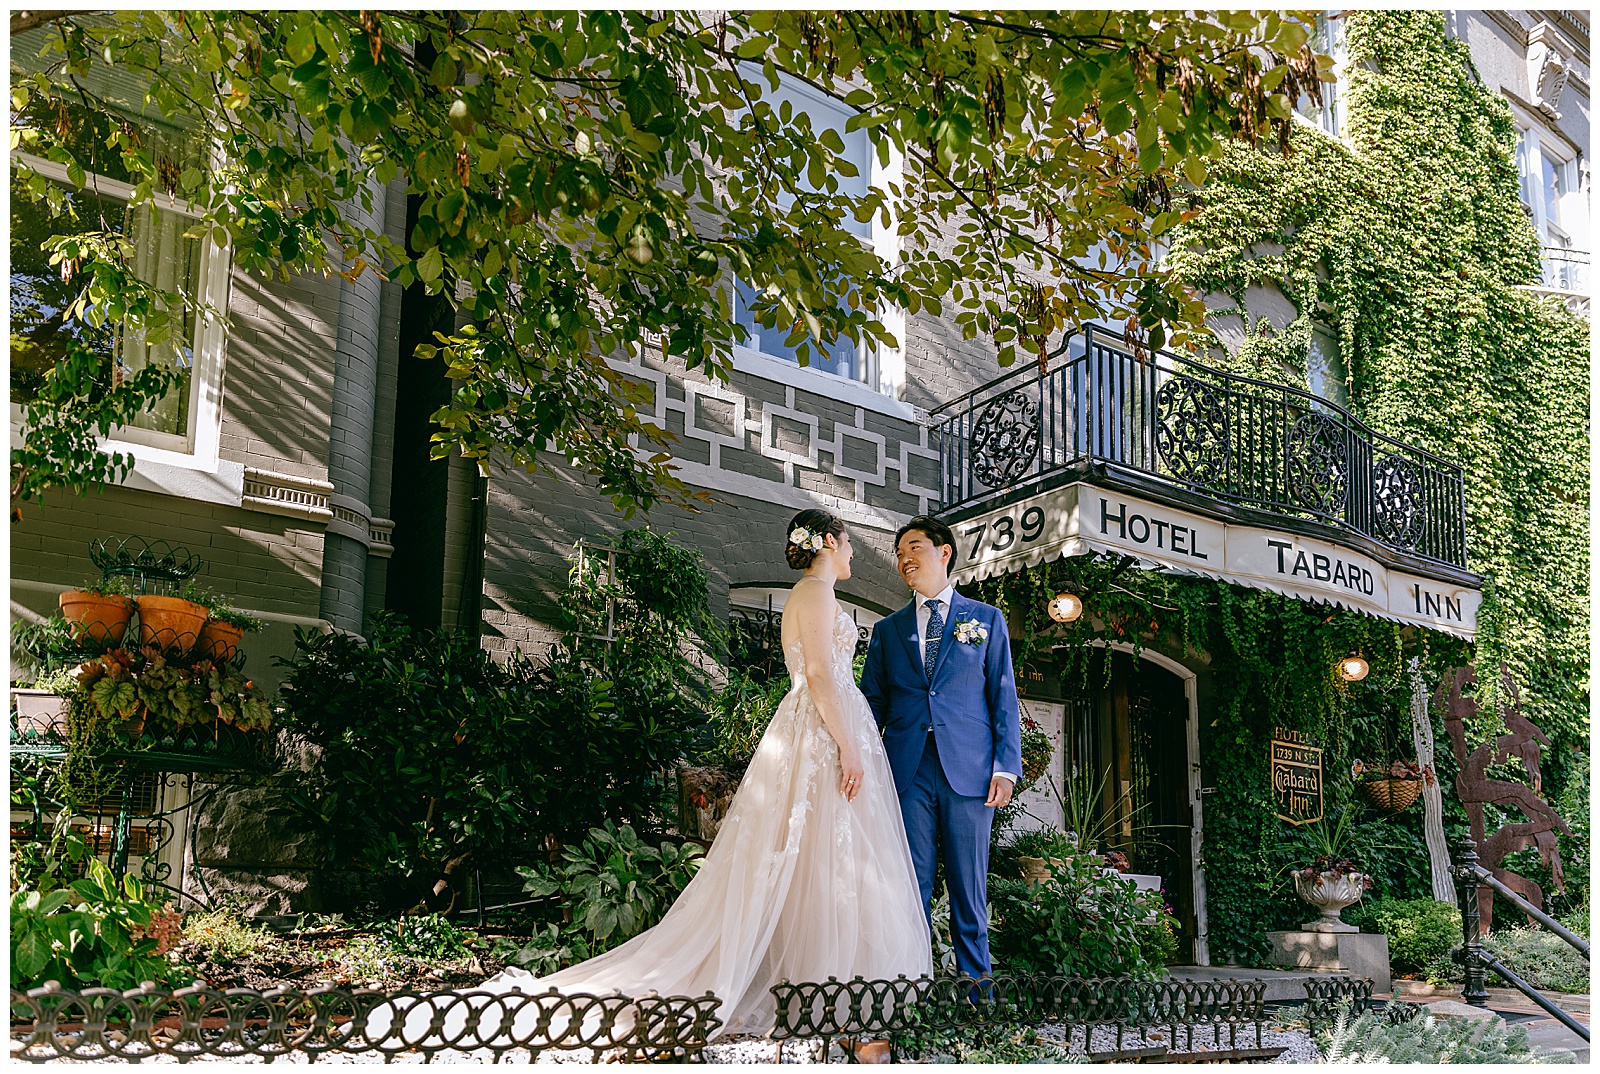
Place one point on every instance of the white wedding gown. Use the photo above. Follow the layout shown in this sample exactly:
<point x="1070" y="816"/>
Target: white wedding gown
<point x="800" y="884"/>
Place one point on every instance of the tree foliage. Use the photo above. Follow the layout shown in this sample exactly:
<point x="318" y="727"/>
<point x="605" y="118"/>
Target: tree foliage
<point x="585" y="182"/>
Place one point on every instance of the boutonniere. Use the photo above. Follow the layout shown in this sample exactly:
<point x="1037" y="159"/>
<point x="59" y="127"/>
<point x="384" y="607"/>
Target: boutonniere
<point x="971" y="632"/>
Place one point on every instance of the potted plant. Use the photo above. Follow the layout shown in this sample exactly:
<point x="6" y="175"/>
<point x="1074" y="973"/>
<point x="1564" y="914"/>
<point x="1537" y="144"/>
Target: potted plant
<point x="1390" y="788"/>
<point x="171" y="622"/>
<point x="225" y="627"/>
<point x="1331" y="880"/>
<point x="49" y="652"/>
<point x="1040" y="851"/>
<point x="99" y="612"/>
<point x="1037" y="749"/>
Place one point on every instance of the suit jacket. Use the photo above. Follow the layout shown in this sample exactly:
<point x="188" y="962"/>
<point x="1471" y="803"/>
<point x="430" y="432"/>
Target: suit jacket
<point x="970" y="705"/>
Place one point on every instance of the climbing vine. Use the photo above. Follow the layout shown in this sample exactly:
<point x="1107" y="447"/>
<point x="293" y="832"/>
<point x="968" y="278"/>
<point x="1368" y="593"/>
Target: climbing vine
<point x="1271" y="662"/>
<point x="1408" y="242"/>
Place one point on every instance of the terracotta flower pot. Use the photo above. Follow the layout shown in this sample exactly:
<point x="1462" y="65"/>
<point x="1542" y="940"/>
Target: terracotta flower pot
<point x="96" y="618"/>
<point x="1034" y="870"/>
<point x="1330" y="893"/>
<point x="219" y="640"/>
<point x="170" y="622"/>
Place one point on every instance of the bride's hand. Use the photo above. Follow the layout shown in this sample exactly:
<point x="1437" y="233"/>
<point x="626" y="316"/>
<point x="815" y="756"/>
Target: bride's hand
<point x="850" y="775"/>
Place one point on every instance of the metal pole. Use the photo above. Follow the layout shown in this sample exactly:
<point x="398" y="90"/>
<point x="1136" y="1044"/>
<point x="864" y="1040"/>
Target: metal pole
<point x="1472" y="990"/>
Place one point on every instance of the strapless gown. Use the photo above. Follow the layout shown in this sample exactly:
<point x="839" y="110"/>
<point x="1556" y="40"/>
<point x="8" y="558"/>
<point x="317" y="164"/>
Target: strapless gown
<point x="799" y="884"/>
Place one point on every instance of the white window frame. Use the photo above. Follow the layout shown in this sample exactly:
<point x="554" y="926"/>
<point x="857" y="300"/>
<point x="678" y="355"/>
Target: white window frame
<point x="887" y="364"/>
<point x="199" y="448"/>
<point x="1329" y="119"/>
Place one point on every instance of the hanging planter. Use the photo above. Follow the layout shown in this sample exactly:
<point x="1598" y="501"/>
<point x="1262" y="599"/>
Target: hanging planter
<point x="1390" y="789"/>
<point x="219" y="640"/>
<point x="96" y="616"/>
<point x="170" y="622"/>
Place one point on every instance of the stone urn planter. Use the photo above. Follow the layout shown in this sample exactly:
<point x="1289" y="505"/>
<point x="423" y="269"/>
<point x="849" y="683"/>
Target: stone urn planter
<point x="1330" y="893"/>
<point x="219" y="640"/>
<point x="96" y="617"/>
<point x="170" y="622"/>
<point x="1034" y="870"/>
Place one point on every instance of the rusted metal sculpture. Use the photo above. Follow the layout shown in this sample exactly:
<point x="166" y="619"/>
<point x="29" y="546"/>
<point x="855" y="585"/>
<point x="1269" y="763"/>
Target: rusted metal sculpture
<point x="1475" y="788"/>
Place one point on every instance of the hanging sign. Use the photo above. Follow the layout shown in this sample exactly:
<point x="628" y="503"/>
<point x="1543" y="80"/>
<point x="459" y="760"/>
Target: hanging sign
<point x="1296" y="776"/>
<point x="1080" y="518"/>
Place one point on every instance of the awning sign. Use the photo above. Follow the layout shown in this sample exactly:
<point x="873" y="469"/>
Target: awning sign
<point x="1080" y="518"/>
<point x="1296" y="777"/>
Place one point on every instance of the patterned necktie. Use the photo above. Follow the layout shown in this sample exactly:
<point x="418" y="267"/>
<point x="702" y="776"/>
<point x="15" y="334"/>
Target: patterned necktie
<point x="930" y="649"/>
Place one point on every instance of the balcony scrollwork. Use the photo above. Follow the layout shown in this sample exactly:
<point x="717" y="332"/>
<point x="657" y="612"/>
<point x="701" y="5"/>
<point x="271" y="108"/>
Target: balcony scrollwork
<point x="1156" y="419"/>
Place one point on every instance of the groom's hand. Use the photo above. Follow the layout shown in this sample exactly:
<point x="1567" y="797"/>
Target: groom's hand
<point x="999" y="792"/>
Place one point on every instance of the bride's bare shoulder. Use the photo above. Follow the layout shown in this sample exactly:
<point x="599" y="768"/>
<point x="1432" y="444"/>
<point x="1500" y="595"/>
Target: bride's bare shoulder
<point x="810" y="597"/>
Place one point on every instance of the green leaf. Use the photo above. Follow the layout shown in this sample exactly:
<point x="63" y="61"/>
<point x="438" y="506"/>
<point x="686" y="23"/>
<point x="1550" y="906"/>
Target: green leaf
<point x="430" y="265"/>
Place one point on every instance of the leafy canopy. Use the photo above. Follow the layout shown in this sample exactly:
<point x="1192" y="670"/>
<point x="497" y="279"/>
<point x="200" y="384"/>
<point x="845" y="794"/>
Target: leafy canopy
<point x="587" y="181"/>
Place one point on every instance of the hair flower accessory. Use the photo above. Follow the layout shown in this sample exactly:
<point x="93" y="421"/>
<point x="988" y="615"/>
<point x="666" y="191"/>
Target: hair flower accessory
<point x="971" y="632"/>
<point x="801" y="537"/>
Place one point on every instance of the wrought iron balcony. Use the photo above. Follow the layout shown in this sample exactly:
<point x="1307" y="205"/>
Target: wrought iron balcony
<point x="1164" y="423"/>
<point x="1566" y="269"/>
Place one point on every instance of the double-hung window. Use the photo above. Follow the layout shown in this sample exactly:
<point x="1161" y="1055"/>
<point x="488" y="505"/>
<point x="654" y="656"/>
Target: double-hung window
<point x="185" y="420"/>
<point x="880" y="369"/>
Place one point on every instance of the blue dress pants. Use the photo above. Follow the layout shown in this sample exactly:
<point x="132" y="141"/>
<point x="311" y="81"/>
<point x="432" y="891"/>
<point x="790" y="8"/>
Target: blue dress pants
<point x="938" y="818"/>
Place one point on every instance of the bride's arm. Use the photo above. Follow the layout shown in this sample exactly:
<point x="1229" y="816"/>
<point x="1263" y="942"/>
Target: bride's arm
<point x="817" y="613"/>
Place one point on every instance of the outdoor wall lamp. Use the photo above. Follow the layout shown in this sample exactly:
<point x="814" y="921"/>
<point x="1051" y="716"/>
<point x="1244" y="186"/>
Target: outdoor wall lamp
<point x="1065" y="607"/>
<point x="1353" y="669"/>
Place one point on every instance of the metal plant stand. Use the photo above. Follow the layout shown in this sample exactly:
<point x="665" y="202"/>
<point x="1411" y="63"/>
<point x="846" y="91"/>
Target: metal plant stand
<point x="156" y="808"/>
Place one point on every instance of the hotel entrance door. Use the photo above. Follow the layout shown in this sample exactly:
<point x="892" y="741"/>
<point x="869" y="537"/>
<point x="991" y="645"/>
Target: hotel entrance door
<point x="1126" y="732"/>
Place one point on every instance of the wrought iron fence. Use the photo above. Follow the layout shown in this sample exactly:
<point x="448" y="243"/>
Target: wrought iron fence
<point x="202" y="1022"/>
<point x="1118" y="1018"/>
<point x="1184" y="425"/>
<point x="755" y="641"/>
<point x="1118" y="1012"/>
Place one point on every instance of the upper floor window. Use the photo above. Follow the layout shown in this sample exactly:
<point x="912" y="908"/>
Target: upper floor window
<point x="50" y="202"/>
<point x="1325" y="371"/>
<point x="864" y="363"/>
<point x="1328" y="39"/>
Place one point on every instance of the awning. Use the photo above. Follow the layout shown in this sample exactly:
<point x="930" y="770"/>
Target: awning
<point x="1075" y="519"/>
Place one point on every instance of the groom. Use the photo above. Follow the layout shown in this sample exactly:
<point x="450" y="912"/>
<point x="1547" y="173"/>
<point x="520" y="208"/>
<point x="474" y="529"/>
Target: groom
<point x="938" y="677"/>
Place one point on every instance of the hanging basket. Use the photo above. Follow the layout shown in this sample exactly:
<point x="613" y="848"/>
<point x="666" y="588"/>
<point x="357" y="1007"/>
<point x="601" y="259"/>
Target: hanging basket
<point x="1391" y="795"/>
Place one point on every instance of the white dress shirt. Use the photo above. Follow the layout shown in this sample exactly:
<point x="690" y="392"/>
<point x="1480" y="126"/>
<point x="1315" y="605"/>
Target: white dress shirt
<point x="924" y="617"/>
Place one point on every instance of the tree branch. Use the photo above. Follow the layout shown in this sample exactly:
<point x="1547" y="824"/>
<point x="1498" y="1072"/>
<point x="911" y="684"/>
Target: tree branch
<point x="23" y="21"/>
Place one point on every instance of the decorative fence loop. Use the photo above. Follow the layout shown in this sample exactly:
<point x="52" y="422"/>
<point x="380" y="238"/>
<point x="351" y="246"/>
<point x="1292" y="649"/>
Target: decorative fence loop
<point x="1119" y="1006"/>
<point x="201" y="1021"/>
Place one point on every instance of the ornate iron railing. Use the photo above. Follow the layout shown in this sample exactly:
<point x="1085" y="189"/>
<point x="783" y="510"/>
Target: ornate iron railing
<point x="1180" y="424"/>
<point x="202" y="1022"/>
<point x="1565" y="269"/>
<point x="1477" y="962"/>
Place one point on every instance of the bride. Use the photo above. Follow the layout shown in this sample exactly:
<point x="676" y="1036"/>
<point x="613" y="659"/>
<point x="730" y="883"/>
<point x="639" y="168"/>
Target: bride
<point x="810" y="876"/>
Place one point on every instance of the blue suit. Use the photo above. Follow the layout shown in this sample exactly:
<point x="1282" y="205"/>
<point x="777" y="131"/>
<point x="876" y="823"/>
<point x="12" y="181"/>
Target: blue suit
<point x="945" y="739"/>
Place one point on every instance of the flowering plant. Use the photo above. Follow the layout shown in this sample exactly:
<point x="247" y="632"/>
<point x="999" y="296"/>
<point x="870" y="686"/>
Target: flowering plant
<point x="971" y="632"/>
<point x="1330" y="865"/>
<point x="1400" y="769"/>
<point x="801" y="537"/>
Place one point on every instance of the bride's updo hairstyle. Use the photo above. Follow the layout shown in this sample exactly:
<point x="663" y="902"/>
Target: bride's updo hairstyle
<point x="816" y="523"/>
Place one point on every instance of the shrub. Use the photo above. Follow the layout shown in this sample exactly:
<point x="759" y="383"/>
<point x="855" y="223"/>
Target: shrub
<point x="740" y="714"/>
<point x="1541" y="958"/>
<point x="1419" y="930"/>
<point x="1370" y="1038"/>
<point x="615" y="885"/>
<point x="1083" y="922"/>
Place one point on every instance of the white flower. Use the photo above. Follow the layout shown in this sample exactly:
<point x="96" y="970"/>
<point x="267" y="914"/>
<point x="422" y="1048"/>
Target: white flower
<point x="971" y="632"/>
<point x="801" y="537"/>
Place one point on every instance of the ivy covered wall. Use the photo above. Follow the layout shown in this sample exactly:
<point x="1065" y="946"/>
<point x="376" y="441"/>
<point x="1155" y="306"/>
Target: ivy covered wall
<point x="1409" y="242"/>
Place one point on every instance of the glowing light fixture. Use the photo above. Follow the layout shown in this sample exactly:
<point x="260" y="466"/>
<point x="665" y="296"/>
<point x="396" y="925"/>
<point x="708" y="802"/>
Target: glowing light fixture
<point x="1353" y="669"/>
<point x="1065" y="607"/>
